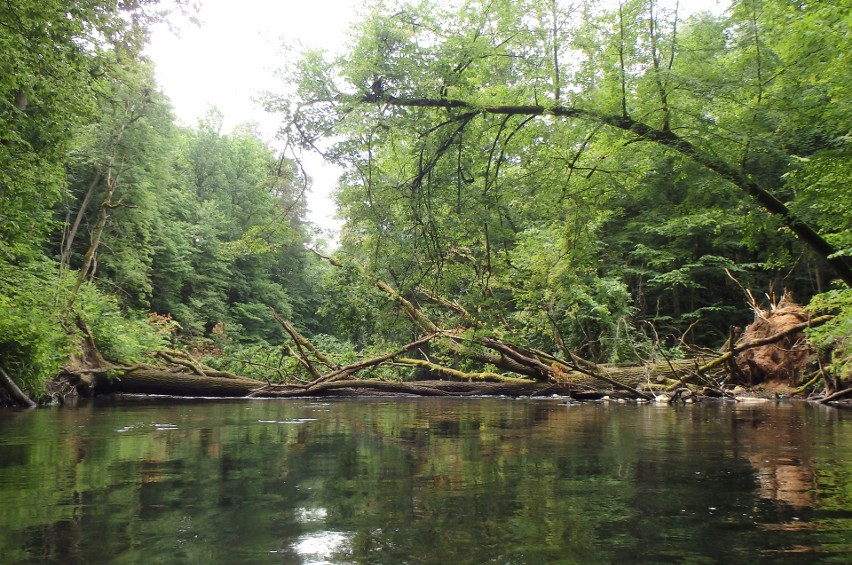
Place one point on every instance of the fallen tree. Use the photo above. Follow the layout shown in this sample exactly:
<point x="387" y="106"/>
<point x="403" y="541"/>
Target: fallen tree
<point x="508" y="369"/>
<point x="522" y="371"/>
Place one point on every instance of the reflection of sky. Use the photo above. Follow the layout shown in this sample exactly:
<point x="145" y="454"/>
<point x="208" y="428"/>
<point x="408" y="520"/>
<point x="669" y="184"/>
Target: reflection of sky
<point x="319" y="547"/>
<point x="311" y="514"/>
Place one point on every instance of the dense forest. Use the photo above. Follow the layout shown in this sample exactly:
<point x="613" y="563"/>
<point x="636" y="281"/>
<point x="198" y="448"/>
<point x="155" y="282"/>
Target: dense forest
<point x="525" y="183"/>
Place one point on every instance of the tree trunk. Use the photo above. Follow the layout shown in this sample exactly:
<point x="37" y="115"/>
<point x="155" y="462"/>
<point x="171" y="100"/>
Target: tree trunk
<point x="15" y="393"/>
<point x="154" y="381"/>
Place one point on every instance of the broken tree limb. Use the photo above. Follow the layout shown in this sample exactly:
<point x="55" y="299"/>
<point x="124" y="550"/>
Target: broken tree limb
<point x="302" y="341"/>
<point x="15" y="393"/>
<point x="461" y="375"/>
<point x="516" y="356"/>
<point x="301" y="344"/>
<point x="509" y="358"/>
<point x="454" y="340"/>
<point x="184" y="362"/>
<point x="575" y="361"/>
<point x="414" y="313"/>
<point x="452" y="305"/>
<point x="835" y="396"/>
<point x="348" y="370"/>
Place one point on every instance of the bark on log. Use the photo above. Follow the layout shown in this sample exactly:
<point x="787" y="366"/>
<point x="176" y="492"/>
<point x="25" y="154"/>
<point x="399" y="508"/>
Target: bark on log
<point x="428" y="388"/>
<point x="15" y="393"/>
<point x="153" y="381"/>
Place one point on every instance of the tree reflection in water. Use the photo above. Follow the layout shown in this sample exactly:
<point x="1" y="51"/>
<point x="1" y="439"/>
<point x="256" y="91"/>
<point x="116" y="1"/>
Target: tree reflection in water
<point x="423" y="481"/>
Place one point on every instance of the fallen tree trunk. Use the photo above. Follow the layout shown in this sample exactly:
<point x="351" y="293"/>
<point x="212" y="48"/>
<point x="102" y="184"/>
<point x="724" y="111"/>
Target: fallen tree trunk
<point x="15" y="393"/>
<point x="148" y="380"/>
<point x="439" y="388"/>
<point x="156" y="381"/>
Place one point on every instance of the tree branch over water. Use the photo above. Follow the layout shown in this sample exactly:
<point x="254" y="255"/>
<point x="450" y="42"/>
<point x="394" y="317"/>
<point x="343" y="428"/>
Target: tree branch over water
<point x="667" y="138"/>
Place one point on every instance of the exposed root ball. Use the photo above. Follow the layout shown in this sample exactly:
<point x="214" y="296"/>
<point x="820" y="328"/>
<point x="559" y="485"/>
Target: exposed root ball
<point x="782" y="361"/>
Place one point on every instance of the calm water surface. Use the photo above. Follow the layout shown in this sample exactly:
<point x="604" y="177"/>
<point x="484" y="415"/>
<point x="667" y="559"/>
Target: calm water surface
<point x="446" y="481"/>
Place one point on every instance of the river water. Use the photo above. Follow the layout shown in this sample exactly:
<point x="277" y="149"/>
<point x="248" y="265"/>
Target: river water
<point x="444" y="481"/>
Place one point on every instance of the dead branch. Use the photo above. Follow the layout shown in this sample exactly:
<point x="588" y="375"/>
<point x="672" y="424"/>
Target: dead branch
<point x="184" y="359"/>
<point x="416" y="316"/>
<point x="837" y="395"/>
<point x="451" y="305"/>
<point x="512" y="353"/>
<point x="183" y="362"/>
<point x="15" y="393"/>
<point x="349" y="370"/>
<point x="302" y="341"/>
<point x="456" y="374"/>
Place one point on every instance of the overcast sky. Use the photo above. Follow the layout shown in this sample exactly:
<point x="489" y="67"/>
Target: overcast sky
<point x="230" y="59"/>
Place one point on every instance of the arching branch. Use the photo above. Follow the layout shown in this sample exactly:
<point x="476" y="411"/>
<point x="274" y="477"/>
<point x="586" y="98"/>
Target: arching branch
<point x="669" y="139"/>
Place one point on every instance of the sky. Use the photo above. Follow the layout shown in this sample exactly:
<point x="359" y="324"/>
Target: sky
<point x="230" y="59"/>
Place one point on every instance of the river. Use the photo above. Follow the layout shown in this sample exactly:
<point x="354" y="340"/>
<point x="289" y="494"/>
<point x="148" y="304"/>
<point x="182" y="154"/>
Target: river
<point x="444" y="481"/>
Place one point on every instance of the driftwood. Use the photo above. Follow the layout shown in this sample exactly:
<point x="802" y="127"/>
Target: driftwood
<point x="15" y="393"/>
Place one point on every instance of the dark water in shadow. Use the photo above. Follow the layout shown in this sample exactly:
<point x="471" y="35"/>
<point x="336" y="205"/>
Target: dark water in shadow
<point x="446" y="481"/>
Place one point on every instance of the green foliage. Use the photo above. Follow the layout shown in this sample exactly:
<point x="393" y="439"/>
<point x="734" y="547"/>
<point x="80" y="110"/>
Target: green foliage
<point x="458" y="181"/>
<point x="203" y="227"/>
<point x="121" y="336"/>
<point x="834" y="338"/>
<point x="53" y="65"/>
<point x="494" y="153"/>
<point x="229" y="243"/>
<point x="33" y="344"/>
<point x="35" y="340"/>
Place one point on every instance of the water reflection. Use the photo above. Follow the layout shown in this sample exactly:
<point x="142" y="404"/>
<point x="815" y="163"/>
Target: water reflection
<point x="424" y="481"/>
<point x="321" y="547"/>
<point x="777" y="444"/>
